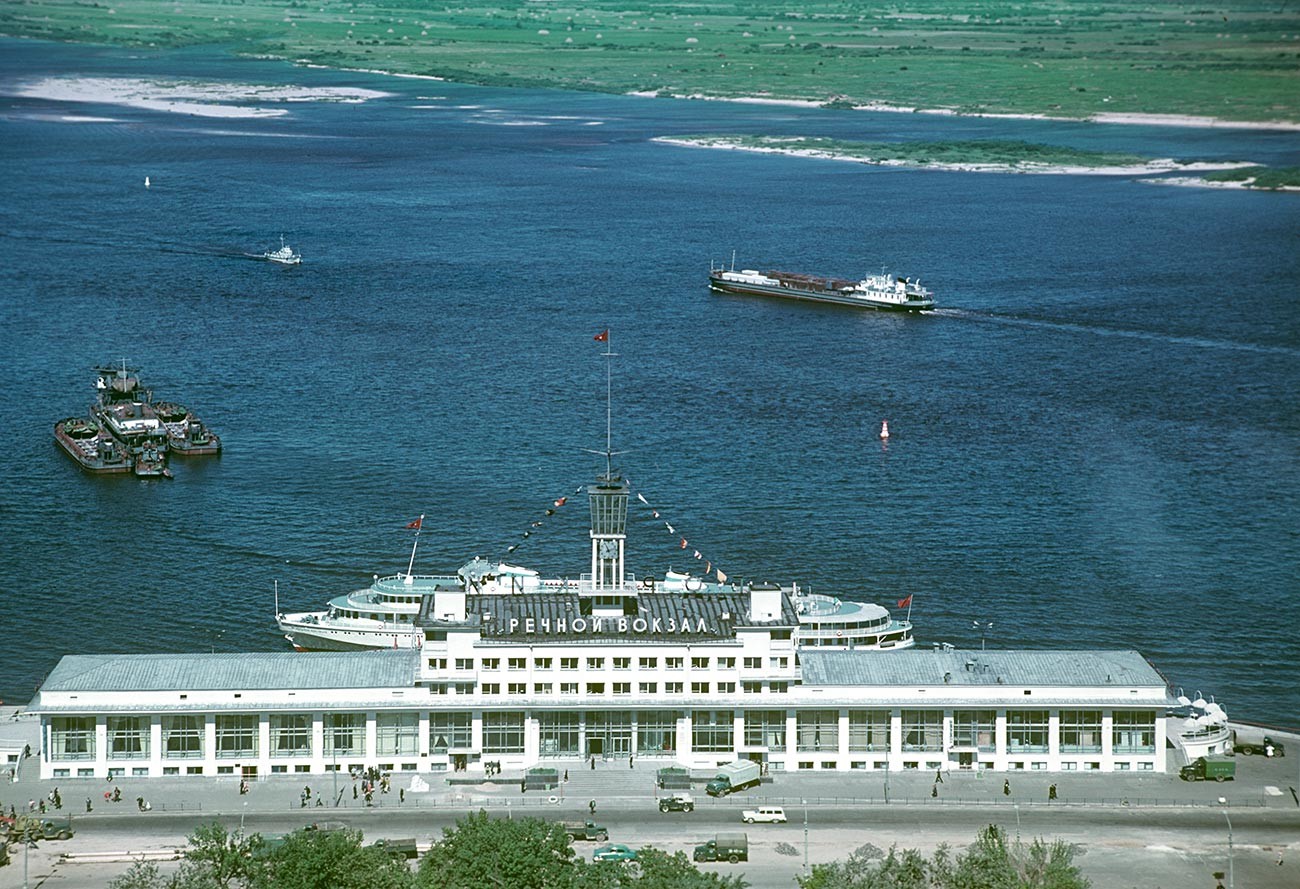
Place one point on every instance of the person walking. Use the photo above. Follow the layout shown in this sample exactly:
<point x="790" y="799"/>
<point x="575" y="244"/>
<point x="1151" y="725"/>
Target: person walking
<point x="938" y="776"/>
<point x="1006" y="787"/>
<point x="592" y="807"/>
<point x="89" y="807"/>
<point x="1051" y="792"/>
<point x="934" y="791"/>
<point x="354" y="790"/>
<point x="593" y="763"/>
<point x="566" y="776"/>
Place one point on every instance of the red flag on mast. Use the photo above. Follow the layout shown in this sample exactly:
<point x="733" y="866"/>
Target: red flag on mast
<point x="905" y="603"/>
<point x="602" y="337"/>
<point x="416" y="524"/>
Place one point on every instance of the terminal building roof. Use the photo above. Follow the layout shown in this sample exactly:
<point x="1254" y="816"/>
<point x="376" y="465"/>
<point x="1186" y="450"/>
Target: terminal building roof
<point x="1096" y="668"/>
<point x="648" y="617"/>
<point x="219" y="672"/>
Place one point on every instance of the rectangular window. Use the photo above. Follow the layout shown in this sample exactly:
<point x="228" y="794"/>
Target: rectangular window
<point x="752" y="687"/>
<point x="72" y="737"/>
<point x="397" y="734"/>
<point x="778" y="663"/>
<point x="765" y="728"/>
<point x="699" y="663"/>
<point x="517" y="663"/>
<point x="778" y="688"/>
<point x="517" y="688"/>
<point x="558" y="734"/>
<point x="656" y="732"/>
<point x="438" y="663"/>
<point x="726" y="688"/>
<point x="182" y="737"/>
<point x="568" y="663"/>
<point x="464" y="688"/>
<point x="345" y="734"/>
<point x="649" y="688"/>
<point x="622" y="688"/>
<point x="1027" y="731"/>
<point x="726" y="663"/>
<point x="568" y="688"/>
<point x="713" y="731"/>
<point x="817" y="730"/>
<point x="595" y="688"/>
<point x="595" y="663"/>
<point x="869" y="731"/>
<point x="543" y="688"/>
<point x="922" y="730"/>
<point x="649" y="663"/>
<point x="465" y="663"/>
<point x="753" y="663"/>
<point x="128" y="737"/>
<point x="1080" y="731"/>
<point x="1133" y="731"/>
<point x="699" y="688"/>
<point x="543" y="663"/>
<point x="450" y="731"/>
<point x="503" y="733"/>
<point x="236" y="735"/>
<point x="491" y="663"/>
<point x="975" y="729"/>
<point x="673" y="688"/>
<point x="673" y="663"/>
<point x="290" y="734"/>
<point x="622" y="663"/>
<point x="490" y="688"/>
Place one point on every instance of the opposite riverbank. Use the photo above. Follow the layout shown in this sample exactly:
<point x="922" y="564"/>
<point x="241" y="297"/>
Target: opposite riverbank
<point x="1119" y="62"/>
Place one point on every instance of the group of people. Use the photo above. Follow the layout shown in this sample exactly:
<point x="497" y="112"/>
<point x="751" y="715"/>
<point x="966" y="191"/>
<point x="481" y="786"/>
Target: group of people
<point x="492" y="768"/>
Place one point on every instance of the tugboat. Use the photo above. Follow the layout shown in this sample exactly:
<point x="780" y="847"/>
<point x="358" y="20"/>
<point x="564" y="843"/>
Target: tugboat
<point x="91" y="445"/>
<point x="186" y="433"/>
<point x="883" y="291"/>
<point x="125" y="409"/>
<point x="151" y="461"/>
<point x="283" y="256"/>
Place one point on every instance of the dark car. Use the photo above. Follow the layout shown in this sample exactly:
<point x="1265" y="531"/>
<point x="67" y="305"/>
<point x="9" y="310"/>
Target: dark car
<point x="678" y="802"/>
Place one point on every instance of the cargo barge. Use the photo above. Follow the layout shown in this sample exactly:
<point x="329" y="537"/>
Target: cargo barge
<point x="883" y="291"/>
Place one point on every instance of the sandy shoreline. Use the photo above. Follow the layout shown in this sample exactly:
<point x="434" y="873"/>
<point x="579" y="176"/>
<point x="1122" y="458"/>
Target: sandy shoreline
<point x="1161" y="165"/>
<point x="1158" y="120"/>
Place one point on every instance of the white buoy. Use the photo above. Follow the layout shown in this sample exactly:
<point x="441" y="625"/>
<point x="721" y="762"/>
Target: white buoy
<point x="884" y="429"/>
<point x="146" y="182"/>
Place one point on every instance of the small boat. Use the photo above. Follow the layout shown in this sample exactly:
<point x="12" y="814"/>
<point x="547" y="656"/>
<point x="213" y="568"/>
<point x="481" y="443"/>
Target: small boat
<point x="884" y="429"/>
<point x="186" y="434"/>
<point x="146" y="182"/>
<point x="284" y="256"/>
<point x="151" y="461"/>
<point x="883" y="291"/>
<point x="92" y="446"/>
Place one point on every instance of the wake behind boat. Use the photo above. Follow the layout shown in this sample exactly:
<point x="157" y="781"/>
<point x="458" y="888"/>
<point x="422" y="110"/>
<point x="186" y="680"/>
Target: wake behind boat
<point x="883" y="291"/>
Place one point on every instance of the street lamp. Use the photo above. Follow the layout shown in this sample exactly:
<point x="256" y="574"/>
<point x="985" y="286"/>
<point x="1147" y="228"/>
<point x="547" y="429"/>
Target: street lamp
<point x="805" y="834"/>
<point x="1016" y="806"/>
<point x="1229" y="820"/>
<point x="983" y="626"/>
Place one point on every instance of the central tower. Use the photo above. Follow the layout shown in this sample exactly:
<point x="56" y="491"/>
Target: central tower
<point x="608" y="497"/>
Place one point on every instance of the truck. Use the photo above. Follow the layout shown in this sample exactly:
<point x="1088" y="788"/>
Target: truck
<point x="731" y="847"/>
<point x="1266" y="747"/>
<point x="734" y="776"/>
<point x="403" y="848"/>
<point x="1205" y="768"/>
<point x="585" y="830"/>
<point x="678" y="802"/>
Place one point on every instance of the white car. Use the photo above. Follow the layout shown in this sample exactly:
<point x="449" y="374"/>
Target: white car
<point x="767" y="814"/>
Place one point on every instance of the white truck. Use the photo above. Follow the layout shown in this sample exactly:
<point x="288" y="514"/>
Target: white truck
<point x="734" y="776"/>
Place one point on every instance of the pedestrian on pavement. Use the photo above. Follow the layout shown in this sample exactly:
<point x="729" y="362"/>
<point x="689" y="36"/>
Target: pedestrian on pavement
<point x="320" y="803"/>
<point x="1006" y="787"/>
<point x="139" y="803"/>
<point x="42" y="806"/>
<point x="31" y="804"/>
<point x="401" y="794"/>
<point x="370" y="798"/>
<point x="629" y="762"/>
<point x="523" y="785"/>
<point x="938" y="776"/>
<point x="354" y="791"/>
<point x="566" y="776"/>
<point x="306" y="792"/>
<point x="934" y="790"/>
<point x="592" y="806"/>
<point x="593" y="763"/>
<point x="89" y="807"/>
<point x="302" y="800"/>
<point x="56" y="799"/>
<point x="1051" y="792"/>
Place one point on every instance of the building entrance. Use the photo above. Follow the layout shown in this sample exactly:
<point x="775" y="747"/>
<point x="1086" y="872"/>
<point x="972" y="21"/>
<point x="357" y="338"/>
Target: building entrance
<point x="596" y="747"/>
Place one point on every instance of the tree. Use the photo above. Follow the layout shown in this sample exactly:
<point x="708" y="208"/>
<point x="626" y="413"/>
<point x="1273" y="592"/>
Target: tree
<point x="905" y="870"/>
<point x="310" y="859"/>
<point x="483" y="853"/>
<point x="218" y="857"/>
<point x="142" y="875"/>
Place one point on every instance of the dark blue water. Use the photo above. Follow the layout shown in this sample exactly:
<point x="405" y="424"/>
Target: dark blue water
<point x="1097" y="442"/>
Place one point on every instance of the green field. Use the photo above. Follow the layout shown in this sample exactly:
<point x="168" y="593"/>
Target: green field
<point x="1262" y="178"/>
<point x="1237" y="60"/>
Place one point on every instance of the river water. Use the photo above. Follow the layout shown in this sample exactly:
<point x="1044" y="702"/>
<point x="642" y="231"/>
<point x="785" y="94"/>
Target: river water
<point x="1096" y="440"/>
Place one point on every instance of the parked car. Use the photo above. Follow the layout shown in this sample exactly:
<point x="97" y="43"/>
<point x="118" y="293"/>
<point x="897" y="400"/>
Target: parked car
<point x="764" y="814"/>
<point x="678" y="802"/>
<point x="613" y="852"/>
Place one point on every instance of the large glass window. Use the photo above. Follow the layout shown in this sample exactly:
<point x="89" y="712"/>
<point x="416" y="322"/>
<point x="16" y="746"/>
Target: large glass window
<point x="818" y="730"/>
<point x="450" y="731"/>
<point x="713" y="731"/>
<point x="236" y="735"/>
<point x="765" y="728"/>
<point x="1081" y="731"/>
<point x="922" y="731"/>
<point x="558" y="734"/>
<point x="128" y="737"/>
<point x="503" y="733"/>
<point x="290" y="734"/>
<point x="182" y="737"/>
<point x="345" y="734"/>
<point x="1027" y="731"/>
<point x="656" y="732"/>
<point x="1133" y="731"/>
<point x="869" y="730"/>
<point x="397" y="734"/>
<point x="975" y="728"/>
<point x="72" y="737"/>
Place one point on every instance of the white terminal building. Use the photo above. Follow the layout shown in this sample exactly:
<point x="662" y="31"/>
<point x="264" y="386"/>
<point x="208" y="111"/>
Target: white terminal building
<point x="610" y="668"/>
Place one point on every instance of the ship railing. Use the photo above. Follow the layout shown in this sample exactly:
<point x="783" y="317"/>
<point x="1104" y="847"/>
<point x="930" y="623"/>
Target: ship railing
<point x="815" y="604"/>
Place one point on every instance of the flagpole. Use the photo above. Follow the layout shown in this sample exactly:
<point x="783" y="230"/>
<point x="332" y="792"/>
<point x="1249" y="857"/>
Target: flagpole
<point x="909" y="609"/>
<point x="418" y="528"/>
<point x="609" y="407"/>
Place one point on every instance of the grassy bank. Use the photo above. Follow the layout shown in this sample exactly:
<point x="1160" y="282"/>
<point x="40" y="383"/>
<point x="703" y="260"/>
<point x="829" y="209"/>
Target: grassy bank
<point x="1262" y="178"/>
<point x="1241" y="62"/>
